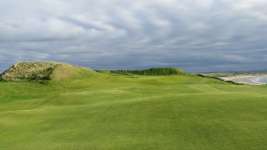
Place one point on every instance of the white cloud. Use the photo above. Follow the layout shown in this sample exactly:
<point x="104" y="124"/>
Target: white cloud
<point x="115" y="33"/>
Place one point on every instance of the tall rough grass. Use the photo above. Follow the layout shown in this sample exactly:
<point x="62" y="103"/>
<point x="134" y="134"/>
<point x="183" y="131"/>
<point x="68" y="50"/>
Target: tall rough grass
<point x="152" y="71"/>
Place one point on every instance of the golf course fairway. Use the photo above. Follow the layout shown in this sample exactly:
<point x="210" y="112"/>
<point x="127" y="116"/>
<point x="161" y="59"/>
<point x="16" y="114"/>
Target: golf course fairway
<point x="109" y="111"/>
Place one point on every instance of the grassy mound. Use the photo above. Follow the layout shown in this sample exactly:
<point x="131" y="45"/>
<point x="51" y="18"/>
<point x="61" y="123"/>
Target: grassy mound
<point x="152" y="71"/>
<point x="42" y="71"/>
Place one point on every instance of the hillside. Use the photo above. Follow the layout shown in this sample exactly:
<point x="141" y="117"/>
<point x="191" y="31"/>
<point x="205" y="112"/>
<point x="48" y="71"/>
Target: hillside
<point x="42" y="71"/>
<point x="111" y="111"/>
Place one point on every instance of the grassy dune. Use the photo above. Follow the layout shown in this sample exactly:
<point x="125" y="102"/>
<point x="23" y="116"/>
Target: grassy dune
<point x="105" y="111"/>
<point x="151" y="71"/>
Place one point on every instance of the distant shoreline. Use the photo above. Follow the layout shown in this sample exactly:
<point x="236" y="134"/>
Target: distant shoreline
<point x="253" y="79"/>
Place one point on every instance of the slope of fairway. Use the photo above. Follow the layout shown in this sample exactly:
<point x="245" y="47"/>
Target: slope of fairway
<point x="130" y="112"/>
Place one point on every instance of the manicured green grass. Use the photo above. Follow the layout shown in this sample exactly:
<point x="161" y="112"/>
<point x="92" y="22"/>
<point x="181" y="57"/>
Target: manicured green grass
<point x="129" y="112"/>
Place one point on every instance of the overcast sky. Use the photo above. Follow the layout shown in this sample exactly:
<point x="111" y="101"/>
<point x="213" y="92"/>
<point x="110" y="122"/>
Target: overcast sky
<point x="197" y="35"/>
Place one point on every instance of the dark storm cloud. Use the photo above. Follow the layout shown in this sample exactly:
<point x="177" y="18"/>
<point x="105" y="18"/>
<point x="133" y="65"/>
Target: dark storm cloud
<point x="198" y="35"/>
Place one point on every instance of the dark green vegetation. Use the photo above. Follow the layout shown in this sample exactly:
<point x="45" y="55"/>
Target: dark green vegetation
<point x="107" y="111"/>
<point x="151" y="71"/>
